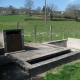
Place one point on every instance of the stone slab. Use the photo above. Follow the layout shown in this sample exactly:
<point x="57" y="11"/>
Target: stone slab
<point x="37" y="51"/>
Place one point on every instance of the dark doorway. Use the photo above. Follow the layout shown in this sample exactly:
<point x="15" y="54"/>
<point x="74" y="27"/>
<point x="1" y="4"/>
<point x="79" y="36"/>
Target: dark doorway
<point x="14" y="40"/>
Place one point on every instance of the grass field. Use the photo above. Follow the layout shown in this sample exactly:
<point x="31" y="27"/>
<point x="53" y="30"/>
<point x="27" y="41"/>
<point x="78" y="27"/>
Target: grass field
<point x="70" y="71"/>
<point x="9" y="22"/>
<point x="67" y="72"/>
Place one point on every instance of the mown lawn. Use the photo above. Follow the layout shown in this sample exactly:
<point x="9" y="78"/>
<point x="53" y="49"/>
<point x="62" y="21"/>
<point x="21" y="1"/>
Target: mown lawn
<point x="65" y="72"/>
<point x="9" y="22"/>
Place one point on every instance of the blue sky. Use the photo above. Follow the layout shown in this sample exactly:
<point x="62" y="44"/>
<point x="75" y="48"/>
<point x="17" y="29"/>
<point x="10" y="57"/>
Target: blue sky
<point x="62" y="4"/>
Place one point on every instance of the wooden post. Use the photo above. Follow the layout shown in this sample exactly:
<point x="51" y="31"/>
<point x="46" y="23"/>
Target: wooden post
<point x="73" y="32"/>
<point x="50" y="33"/>
<point x="63" y="32"/>
<point x="35" y="33"/>
<point x="45" y="14"/>
<point x="17" y="25"/>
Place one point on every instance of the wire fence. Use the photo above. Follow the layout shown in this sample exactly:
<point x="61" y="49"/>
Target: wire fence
<point x="39" y="34"/>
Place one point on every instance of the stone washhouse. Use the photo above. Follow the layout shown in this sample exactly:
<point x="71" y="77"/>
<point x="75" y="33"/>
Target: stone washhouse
<point x="20" y="62"/>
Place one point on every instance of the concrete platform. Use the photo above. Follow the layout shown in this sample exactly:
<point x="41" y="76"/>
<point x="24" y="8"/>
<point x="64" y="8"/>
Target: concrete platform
<point x="37" y="52"/>
<point x="36" y="58"/>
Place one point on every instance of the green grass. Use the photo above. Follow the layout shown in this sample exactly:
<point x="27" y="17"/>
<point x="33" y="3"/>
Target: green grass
<point x="0" y="45"/>
<point x="9" y="22"/>
<point x="66" y="72"/>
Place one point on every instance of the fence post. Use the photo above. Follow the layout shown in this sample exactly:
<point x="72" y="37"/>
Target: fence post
<point x="17" y="25"/>
<point x="63" y="32"/>
<point x="35" y="33"/>
<point x="73" y="32"/>
<point x="51" y="33"/>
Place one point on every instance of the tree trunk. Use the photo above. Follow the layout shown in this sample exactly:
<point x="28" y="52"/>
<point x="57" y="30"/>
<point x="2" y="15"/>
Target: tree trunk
<point x="51" y="16"/>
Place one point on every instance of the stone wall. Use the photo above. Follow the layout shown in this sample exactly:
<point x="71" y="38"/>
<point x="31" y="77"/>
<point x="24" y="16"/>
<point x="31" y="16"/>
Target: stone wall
<point x="73" y="43"/>
<point x="61" y="43"/>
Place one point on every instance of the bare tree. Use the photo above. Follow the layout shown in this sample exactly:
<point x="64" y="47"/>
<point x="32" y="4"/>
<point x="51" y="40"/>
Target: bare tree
<point x="22" y="10"/>
<point x="38" y="9"/>
<point x="50" y="9"/>
<point x="11" y="9"/>
<point x="29" y="4"/>
<point x="73" y="10"/>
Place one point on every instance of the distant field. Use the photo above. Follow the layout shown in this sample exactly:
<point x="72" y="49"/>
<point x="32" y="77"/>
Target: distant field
<point x="9" y="22"/>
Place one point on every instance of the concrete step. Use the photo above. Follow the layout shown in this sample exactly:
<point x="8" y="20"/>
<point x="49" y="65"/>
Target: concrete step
<point x="45" y="65"/>
<point x="49" y="56"/>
